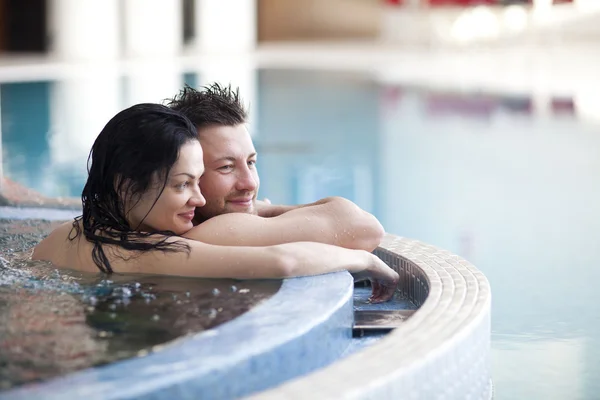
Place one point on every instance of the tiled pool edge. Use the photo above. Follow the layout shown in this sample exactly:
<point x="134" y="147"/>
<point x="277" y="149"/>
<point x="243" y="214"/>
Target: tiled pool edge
<point x="442" y="350"/>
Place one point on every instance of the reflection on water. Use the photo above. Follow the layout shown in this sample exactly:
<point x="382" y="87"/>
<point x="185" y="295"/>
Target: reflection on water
<point x="531" y="368"/>
<point x="53" y="322"/>
<point x="507" y="181"/>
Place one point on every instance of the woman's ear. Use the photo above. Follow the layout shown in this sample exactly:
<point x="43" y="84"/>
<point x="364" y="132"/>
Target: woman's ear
<point x="122" y="187"/>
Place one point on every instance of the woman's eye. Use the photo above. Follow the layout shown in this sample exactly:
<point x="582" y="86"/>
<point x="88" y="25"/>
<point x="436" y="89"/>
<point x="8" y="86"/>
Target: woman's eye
<point x="183" y="185"/>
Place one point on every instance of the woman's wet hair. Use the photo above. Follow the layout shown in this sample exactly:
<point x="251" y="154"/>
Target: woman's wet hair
<point x="213" y="104"/>
<point x="136" y="149"/>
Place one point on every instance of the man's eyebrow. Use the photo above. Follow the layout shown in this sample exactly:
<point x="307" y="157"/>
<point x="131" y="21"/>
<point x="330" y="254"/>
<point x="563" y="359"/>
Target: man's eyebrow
<point x="231" y="158"/>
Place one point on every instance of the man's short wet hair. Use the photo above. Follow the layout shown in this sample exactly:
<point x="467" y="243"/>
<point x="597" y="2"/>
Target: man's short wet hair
<point x="210" y="105"/>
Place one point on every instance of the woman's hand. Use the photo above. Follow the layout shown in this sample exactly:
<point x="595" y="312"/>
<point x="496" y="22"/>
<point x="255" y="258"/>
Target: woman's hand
<point x="384" y="280"/>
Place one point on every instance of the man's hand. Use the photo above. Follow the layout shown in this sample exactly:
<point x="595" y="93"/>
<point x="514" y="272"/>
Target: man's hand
<point x="265" y="209"/>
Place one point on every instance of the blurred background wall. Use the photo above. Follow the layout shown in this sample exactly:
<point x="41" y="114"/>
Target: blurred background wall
<point x="316" y="19"/>
<point x="126" y="27"/>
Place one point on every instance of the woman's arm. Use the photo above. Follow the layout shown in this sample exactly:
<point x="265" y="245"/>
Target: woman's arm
<point x="212" y="261"/>
<point x="280" y="261"/>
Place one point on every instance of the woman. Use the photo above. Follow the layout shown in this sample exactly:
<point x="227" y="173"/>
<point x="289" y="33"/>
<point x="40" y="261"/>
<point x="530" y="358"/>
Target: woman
<point x="139" y="199"/>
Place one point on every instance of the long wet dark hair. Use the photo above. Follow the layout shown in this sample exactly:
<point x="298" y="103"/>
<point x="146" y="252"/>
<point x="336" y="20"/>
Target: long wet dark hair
<point x="137" y="148"/>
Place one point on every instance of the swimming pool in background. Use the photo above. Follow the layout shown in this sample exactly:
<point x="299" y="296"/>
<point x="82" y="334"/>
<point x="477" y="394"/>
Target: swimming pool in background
<point x="484" y="175"/>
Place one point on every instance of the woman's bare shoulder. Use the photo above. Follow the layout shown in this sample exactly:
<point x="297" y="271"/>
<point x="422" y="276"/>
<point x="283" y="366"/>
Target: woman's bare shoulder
<point x="55" y="244"/>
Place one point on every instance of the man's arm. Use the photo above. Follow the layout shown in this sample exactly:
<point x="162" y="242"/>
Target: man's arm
<point x="265" y="209"/>
<point x="333" y="220"/>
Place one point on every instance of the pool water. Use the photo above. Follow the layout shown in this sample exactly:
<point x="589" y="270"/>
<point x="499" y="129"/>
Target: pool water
<point x="54" y="322"/>
<point x="494" y="178"/>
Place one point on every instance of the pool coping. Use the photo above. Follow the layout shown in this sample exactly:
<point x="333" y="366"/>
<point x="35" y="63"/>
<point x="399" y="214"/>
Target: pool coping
<point x="442" y="350"/>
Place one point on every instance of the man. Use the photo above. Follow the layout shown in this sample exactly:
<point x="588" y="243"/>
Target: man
<point x="230" y="186"/>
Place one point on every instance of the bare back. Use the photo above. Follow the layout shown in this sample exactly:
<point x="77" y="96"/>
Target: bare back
<point x="65" y="253"/>
<point x="77" y="253"/>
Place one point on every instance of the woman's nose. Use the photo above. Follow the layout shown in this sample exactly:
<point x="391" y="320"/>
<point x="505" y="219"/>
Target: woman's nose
<point x="198" y="200"/>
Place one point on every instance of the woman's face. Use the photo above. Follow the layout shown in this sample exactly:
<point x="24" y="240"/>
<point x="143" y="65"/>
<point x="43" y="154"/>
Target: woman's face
<point x="174" y="209"/>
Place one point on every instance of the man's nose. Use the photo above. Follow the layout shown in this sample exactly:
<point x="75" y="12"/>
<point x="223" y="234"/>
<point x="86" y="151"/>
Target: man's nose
<point x="247" y="180"/>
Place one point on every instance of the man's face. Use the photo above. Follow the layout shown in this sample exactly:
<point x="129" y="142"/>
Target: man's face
<point x="230" y="181"/>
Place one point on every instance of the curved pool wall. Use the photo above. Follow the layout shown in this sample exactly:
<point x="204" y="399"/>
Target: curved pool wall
<point x="442" y="350"/>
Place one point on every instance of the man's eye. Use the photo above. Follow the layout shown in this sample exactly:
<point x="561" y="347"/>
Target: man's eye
<point x="225" y="167"/>
<point x="252" y="163"/>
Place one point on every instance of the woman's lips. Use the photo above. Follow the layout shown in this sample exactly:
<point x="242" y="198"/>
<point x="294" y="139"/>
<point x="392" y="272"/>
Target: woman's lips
<point x="188" y="215"/>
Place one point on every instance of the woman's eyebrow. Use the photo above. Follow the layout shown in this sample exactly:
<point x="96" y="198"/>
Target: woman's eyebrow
<point x="191" y="176"/>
